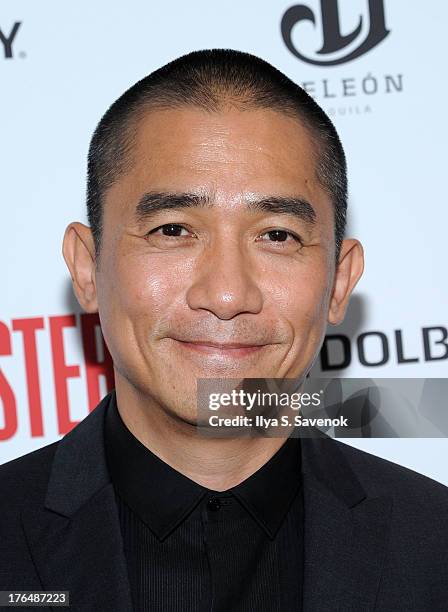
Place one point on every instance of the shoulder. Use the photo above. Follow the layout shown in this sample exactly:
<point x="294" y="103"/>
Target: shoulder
<point x="412" y="493"/>
<point x="417" y="527"/>
<point x="24" y="479"/>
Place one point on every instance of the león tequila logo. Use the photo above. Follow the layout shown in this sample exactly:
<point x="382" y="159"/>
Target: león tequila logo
<point x="337" y="48"/>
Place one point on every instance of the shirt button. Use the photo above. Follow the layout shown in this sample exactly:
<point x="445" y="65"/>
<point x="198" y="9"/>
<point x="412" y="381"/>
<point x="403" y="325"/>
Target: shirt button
<point x="214" y="504"/>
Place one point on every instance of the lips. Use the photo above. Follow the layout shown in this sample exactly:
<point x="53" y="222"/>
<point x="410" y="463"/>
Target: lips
<point x="223" y="345"/>
<point x="225" y="349"/>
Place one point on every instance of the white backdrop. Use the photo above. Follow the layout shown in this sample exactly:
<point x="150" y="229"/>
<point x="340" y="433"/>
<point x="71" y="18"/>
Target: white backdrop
<point x="63" y="65"/>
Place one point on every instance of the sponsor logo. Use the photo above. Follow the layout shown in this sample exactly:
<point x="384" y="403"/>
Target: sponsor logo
<point x="337" y="48"/>
<point x="341" y="32"/>
<point x="7" y="39"/>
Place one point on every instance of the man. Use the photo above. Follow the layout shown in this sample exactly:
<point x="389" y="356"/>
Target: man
<point x="216" y="200"/>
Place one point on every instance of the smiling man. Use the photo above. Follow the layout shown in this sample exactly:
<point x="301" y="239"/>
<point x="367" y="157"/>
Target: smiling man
<point x="217" y="197"/>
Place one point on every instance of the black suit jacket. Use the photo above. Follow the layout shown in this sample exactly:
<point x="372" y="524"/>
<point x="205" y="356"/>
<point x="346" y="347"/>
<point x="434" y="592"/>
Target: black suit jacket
<point x="376" y="534"/>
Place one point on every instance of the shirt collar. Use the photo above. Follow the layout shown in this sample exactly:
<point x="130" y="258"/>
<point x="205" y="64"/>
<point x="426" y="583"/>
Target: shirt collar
<point x="163" y="497"/>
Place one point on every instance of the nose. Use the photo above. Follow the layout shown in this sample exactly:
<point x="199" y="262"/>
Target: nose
<point x="224" y="283"/>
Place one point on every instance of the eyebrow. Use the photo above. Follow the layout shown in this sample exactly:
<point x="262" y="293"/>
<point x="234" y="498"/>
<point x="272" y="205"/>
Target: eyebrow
<point x="152" y="203"/>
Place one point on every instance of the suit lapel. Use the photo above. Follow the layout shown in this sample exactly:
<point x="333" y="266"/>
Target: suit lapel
<point x="75" y="539"/>
<point x="345" y="537"/>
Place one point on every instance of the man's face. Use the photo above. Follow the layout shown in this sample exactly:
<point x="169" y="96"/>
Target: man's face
<point x="235" y="284"/>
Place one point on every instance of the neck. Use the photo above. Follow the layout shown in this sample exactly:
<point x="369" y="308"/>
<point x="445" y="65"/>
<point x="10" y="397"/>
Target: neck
<point x="215" y="463"/>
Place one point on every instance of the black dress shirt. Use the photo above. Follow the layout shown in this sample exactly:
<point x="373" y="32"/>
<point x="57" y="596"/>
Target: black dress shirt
<point x="189" y="548"/>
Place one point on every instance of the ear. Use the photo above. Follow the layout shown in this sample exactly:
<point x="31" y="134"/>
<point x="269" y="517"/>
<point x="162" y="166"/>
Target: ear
<point x="348" y="271"/>
<point x="79" y="254"/>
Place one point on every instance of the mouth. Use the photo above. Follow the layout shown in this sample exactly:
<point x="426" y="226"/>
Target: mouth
<point x="227" y="349"/>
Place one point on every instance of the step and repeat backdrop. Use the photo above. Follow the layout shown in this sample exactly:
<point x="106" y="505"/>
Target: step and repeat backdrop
<point x="375" y="66"/>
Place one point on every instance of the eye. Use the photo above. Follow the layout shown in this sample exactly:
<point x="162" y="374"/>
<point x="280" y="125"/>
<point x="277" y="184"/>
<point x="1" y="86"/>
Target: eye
<point x="280" y="235"/>
<point x="171" y="230"/>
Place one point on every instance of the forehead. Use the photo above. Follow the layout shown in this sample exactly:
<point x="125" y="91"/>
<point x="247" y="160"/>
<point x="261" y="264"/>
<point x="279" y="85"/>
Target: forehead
<point x="227" y="153"/>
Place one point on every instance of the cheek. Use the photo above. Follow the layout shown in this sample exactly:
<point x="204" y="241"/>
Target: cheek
<point x="302" y="297"/>
<point x="149" y="285"/>
<point x="137" y="288"/>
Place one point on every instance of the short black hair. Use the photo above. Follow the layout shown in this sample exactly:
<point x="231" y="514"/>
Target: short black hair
<point x="212" y="80"/>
